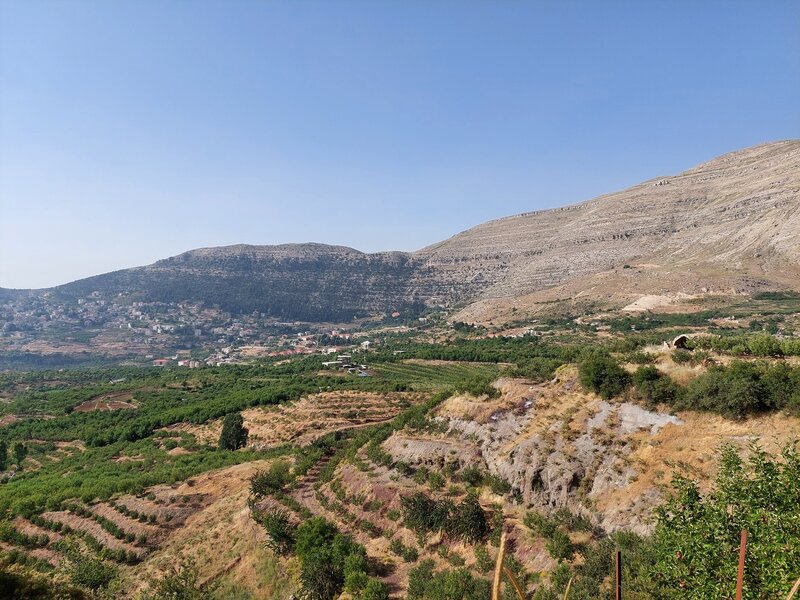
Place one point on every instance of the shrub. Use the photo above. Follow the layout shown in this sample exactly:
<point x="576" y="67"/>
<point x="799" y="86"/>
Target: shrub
<point x="424" y="515"/>
<point x="280" y="531"/>
<point x="498" y="485"/>
<point x="375" y="590"/>
<point x="681" y="356"/>
<point x="557" y="540"/>
<point x="457" y="584"/>
<point x="654" y="387"/>
<point x="408" y="553"/>
<point x="469" y="521"/>
<point x="483" y="561"/>
<point x="182" y="584"/>
<point x="435" y="480"/>
<point x="732" y="391"/>
<point x="472" y="476"/>
<point x="274" y="479"/>
<point x="602" y="374"/>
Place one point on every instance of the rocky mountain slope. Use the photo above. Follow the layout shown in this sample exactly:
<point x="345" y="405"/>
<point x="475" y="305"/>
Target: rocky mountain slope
<point x="727" y="226"/>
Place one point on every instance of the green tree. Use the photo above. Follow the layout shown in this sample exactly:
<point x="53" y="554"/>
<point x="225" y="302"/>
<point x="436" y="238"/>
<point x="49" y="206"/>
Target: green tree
<point x="698" y="537"/>
<point x="20" y="452"/>
<point x="764" y="345"/>
<point x="375" y="590"/>
<point x="326" y="559"/>
<point x="355" y="573"/>
<point x="469" y="521"/>
<point x="234" y="433"/>
<point x="3" y="455"/>
<point x="280" y="530"/>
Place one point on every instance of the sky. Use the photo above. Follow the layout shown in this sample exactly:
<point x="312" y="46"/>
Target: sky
<point x="135" y="130"/>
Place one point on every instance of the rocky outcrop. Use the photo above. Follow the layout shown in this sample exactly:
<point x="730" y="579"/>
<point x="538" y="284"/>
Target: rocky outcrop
<point x="556" y="446"/>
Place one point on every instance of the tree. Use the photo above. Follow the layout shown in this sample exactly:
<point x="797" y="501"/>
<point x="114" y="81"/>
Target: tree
<point x="3" y="455"/>
<point x="764" y="345"/>
<point x="469" y="521"/>
<point x="355" y="573"/>
<point x="280" y="530"/>
<point x="327" y="561"/>
<point x="234" y="434"/>
<point x="698" y="537"/>
<point x="20" y="452"/>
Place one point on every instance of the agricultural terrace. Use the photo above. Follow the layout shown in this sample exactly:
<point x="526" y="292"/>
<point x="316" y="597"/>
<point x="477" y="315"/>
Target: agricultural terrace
<point x="101" y="467"/>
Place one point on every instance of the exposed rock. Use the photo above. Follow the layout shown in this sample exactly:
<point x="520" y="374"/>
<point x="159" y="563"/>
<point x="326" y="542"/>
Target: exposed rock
<point x="566" y="449"/>
<point x="730" y="224"/>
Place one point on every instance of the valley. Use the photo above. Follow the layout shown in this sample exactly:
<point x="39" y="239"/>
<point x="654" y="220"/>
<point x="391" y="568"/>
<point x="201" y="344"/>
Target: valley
<point x="311" y="421"/>
<point x="122" y="485"/>
<point x="713" y="236"/>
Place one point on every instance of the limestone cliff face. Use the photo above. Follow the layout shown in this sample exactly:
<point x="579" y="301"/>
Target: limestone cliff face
<point x="728" y="222"/>
<point x="556" y="446"/>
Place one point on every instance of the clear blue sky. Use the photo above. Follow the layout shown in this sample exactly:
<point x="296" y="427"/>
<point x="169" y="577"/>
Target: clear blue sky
<point x="132" y="131"/>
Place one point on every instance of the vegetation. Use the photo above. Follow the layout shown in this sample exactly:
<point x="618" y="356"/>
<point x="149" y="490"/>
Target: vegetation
<point x="329" y="560"/>
<point x="697" y="537"/>
<point x="281" y="533"/>
<point x="693" y="552"/>
<point x="465" y="521"/>
<point x="182" y="583"/>
<point x="234" y="433"/>
<point x="126" y="451"/>
<point x="459" y="584"/>
<point x="600" y="373"/>
<point x="743" y="388"/>
<point x="272" y="480"/>
<point x="653" y="387"/>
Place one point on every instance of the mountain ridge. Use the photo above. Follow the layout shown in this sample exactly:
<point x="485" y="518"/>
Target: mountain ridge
<point x="731" y="218"/>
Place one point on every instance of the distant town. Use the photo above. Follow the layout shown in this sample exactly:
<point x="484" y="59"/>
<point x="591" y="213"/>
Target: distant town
<point x="178" y="334"/>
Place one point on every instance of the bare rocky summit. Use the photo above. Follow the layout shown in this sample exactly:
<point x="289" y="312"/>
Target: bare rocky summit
<point x="722" y="224"/>
<point x="728" y="226"/>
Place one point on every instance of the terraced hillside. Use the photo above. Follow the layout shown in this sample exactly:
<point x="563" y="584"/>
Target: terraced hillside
<point x="401" y="483"/>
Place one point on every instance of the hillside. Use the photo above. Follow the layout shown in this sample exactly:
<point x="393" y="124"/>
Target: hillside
<point x="728" y="226"/>
<point x="118" y="482"/>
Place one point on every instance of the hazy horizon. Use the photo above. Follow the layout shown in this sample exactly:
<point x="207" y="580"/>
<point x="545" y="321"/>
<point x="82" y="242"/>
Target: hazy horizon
<point x="130" y="132"/>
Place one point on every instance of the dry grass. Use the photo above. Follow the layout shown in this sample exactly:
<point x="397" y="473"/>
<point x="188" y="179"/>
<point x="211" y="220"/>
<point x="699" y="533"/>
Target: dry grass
<point x="221" y="538"/>
<point x="309" y="418"/>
